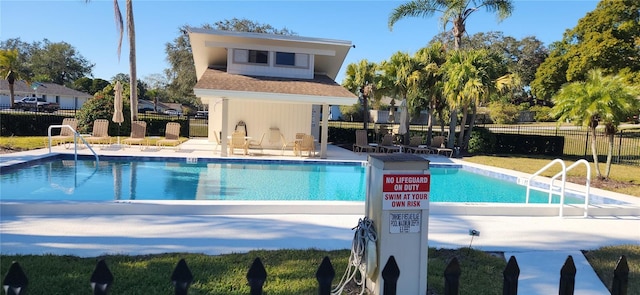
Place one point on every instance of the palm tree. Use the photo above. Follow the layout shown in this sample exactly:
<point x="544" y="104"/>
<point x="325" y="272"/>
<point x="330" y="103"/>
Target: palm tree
<point x="470" y="78"/>
<point x="361" y="78"/>
<point x="425" y="84"/>
<point x="598" y="100"/>
<point x="131" y="32"/>
<point x="10" y="70"/>
<point x="399" y="72"/>
<point x="455" y="12"/>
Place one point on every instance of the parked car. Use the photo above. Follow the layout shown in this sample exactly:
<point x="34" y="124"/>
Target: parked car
<point x="202" y="115"/>
<point x="36" y="104"/>
<point x="172" y="112"/>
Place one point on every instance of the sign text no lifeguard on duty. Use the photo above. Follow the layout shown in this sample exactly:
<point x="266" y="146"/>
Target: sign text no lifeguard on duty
<point x="405" y="191"/>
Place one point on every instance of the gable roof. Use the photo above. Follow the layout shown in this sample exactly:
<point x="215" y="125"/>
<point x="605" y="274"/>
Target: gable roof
<point x="20" y="88"/>
<point x="320" y="89"/>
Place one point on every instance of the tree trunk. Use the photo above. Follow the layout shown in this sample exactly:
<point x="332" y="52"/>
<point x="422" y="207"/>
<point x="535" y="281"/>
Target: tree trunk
<point x="12" y="96"/>
<point x="609" y="154"/>
<point x="467" y="135"/>
<point x="429" y="125"/>
<point x="594" y="151"/>
<point x="453" y="121"/>
<point x="133" y="77"/>
<point x="463" y="122"/>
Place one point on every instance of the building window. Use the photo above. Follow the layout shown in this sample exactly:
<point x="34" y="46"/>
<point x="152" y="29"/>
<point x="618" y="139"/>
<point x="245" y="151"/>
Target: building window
<point x="285" y="59"/>
<point x="258" y="56"/>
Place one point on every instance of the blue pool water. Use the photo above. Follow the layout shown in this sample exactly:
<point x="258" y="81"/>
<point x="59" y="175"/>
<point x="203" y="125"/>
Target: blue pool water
<point x="126" y="179"/>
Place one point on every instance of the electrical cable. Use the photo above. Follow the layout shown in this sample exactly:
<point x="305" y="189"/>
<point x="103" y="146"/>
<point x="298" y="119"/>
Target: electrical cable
<point x="364" y="232"/>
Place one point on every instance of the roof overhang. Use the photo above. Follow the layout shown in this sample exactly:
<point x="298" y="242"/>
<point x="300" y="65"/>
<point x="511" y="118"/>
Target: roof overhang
<point x="209" y="48"/>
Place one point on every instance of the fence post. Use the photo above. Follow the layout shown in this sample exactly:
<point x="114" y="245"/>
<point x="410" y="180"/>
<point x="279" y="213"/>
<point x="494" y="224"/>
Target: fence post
<point x="101" y="278"/>
<point x="452" y="277"/>
<point x="390" y="274"/>
<point x="324" y="276"/>
<point x="620" y="277"/>
<point x="510" y="274"/>
<point x="619" y="148"/>
<point x="15" y="281"/>
<point x="181" y="278"/>
<point x="256" y="276"/>
<point x="568" y="277"/>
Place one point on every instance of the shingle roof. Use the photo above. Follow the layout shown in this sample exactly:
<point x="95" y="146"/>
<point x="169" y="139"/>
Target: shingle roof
<point x="50" y="89"/>
<point x="320" y="85"/>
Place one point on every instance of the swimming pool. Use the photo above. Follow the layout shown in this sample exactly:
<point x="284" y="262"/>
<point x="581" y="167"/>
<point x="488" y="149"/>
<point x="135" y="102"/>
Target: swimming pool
<point x="122" y="178"/>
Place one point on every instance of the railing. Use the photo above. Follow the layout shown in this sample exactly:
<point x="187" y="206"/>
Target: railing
<point x="587" y="185"/>
<point x="562" y="188"/>
<point x="551" y="188"/>
<point x="75" y="141"/>
<point x="15" y="281"/>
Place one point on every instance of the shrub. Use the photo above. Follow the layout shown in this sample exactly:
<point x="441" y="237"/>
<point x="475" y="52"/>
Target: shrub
<point x="503" y="113"/>
<point x="482" y="140"/>
<point x="101" y="107"/>
<point x="542" y="114"/>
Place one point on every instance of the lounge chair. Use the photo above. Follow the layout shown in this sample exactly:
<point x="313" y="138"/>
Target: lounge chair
<point x="66" y="135"/>
<point x="238" y="141"/>
<point x="100" y="133"/>
<point x="438" y="146"/>
<point x="217" y="138"/>
<point x="415" y="146"/>
<point x="387" y="146"/>
<point x="362" y="143"/>
<point x="254" y="144"/>
<point x="171" y="135"/>
<point x="307" y="143"/>
<point x="138" y="134"/>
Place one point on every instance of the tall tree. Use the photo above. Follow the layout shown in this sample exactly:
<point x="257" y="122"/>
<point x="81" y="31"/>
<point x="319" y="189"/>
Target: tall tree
<point x="58" y="62"/>
<point x="131" y="33"/>
<point x="599" y="100"/>
<point x="607" y="38"/>
<point x="362" y="79"/>
<point x="399" y="72"/>
<point x="10" y="70"/>
<point x="455" y="12"/>
<point x="426" y="84"/>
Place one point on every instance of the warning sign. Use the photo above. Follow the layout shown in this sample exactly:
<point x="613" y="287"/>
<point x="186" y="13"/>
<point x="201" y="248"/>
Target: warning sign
<point x="405" y="191"/>
<point x="409" y="222"/>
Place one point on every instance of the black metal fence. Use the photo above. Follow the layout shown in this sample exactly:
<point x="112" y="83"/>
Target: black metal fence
<point x="15" y="281"/>
<point x="27" y="123"/>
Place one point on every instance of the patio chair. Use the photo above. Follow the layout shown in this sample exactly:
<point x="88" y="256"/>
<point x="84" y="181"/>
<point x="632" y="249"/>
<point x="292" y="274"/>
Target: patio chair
<point x="254" y="144"/>
<point x="387" y="146"/>
<point x="66" y="135"/>
<point x="307" y="143"/>
<point x="138" y="134"/>
<point x="218" y="142"/>
<point x="362" y="143"/>
<point x="438" y="146"/>
<point x="100" y="133"/>
<point x="238" y="141"/>
<point x="415" y="146"/>
<point x="171" y="135"/>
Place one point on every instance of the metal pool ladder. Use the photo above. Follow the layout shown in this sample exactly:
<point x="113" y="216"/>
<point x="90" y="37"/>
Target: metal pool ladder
<point x="76" y="135"/>
<point x="561" y="188"/>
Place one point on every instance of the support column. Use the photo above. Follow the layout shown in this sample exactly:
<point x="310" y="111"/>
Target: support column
<point x="225" y="127"/>
<point x="325" y="131"/>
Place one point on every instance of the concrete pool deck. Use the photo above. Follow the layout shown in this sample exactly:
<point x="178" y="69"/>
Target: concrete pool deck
<point x="539" y="243"/>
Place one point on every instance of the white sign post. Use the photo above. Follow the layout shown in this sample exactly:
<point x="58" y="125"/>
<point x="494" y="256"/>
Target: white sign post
<point x="398" y="203"/>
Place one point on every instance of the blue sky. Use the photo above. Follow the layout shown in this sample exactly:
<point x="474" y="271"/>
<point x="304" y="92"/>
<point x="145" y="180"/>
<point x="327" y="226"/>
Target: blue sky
<point x="90" y="27"/>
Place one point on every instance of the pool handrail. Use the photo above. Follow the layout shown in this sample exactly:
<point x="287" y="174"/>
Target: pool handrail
<point x="76" y="135"/>
<point x="587" y="184"/>
<point x="562" y="187"/>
